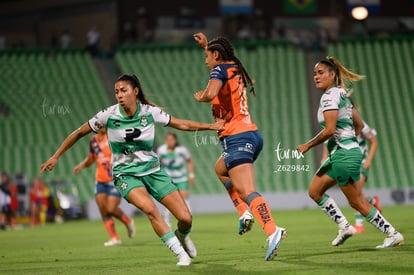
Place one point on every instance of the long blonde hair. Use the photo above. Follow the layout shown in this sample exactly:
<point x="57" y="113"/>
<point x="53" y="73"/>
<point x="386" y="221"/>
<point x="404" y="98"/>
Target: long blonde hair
<point x="344" y="77"/>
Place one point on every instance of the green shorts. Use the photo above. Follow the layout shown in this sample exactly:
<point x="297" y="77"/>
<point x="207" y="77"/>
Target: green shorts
<point x="343" y="165"/>
<point x="365" y="172"/>
<point x="158" y="184"/>
<point x="182" y="186"/>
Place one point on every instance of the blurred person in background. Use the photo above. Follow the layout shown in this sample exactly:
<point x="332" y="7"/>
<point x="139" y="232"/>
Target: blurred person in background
<point x="39" y="194"/>
<point x="14" y="203"/>
<point x="4" y="200"/>
<point x="177" y="162"/>
<point x="106" y="196"/>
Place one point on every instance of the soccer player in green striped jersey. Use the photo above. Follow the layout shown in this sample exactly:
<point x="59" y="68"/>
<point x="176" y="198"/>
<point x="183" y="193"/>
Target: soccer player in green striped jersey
<point x="341" y="124"/>
<point x="136" y="169"/>
<point x="177" y="162"/>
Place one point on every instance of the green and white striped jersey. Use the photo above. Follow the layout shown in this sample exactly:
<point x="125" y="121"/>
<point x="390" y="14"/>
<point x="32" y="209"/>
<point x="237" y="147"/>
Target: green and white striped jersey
<point x="366" y="134"/>
<point x="131" y="138"/>
<point x="175" y="162"/>
<point x="336" y="99"/>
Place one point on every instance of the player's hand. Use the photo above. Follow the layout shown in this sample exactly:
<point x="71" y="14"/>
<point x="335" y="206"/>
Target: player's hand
<point x="303" y="148"/>
<point x="191" y="181"/>
<point x="48" y="165"/>
<point x="219" y="125"/>
<point x="201" y="39"/>
<point x="366" y="165"/>
<point x="77" y="169"/>
<point x="199" y="95"/>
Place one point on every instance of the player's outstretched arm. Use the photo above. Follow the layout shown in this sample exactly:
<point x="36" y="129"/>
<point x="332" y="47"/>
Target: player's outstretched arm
<point x="88" y="161"/>
<point x="189" y="125"/>
<point x="201" y="39"/>
<point x="67" y="143"/>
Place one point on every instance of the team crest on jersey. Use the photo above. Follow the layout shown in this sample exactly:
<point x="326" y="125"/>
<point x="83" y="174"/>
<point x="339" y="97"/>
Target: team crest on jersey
<point x="124" y="186"/>
<point x="144" y="121"/>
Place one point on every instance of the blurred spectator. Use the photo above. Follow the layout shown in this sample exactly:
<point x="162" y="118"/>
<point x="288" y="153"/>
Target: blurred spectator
<point x="4" y="200"/>
<point x="93" y="37"/>
<point x="130" y="33"/>
<point x="65" y="39"/>
<point x="14" y="203"/>
<point x="39" y="194"/>
<point x="245" y="33"/>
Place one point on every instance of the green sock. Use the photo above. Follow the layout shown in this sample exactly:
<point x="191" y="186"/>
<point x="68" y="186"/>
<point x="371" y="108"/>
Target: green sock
<point x="167" y="236"/>
<point x="359" y="219"/>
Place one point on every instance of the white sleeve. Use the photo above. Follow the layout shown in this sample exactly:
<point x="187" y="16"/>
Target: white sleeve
<point x="186" y="153"/>
<point x="330" y="101"/>
<point x="99" y="120"/>
<point x="159" y="115"/>
<point x="367" y="132"/>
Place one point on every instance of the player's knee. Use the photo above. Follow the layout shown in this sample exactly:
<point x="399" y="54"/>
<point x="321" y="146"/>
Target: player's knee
<point x="186" y="219"/>
<point x="151" y="211"/>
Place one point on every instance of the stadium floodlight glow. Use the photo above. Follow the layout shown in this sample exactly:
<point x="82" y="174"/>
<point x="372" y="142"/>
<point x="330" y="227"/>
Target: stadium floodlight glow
<point x="359" y="13"/>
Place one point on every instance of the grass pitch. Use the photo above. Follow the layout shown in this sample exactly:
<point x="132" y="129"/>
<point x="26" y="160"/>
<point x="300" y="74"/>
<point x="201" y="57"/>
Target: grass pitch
<point x="77" y="248"/>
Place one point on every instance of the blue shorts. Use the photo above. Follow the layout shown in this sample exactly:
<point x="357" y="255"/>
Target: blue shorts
<point x="106" y="188"/>
<point x="241" y="148"/>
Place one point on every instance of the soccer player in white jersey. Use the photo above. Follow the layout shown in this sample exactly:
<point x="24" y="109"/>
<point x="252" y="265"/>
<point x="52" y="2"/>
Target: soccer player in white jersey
<point x="136" y="169"/>
<point x="341" y="124"/>
<point x="177" y="162"/>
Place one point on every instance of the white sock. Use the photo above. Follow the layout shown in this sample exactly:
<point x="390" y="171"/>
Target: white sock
<point x="329" y="206"/>
<point x="377" y="220"/>
<point x="175" y="246"/>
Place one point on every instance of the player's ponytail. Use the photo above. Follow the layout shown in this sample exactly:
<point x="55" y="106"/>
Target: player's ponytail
<point x="135" y="83"/>
<point x="226" y="50"/>
<point x="344" y="77"/>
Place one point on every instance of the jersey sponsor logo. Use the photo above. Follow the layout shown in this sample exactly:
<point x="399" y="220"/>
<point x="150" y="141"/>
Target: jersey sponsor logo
<point x="132" y="133"/>
<point x="247" y="148"/>
<point x="116" y="123"/>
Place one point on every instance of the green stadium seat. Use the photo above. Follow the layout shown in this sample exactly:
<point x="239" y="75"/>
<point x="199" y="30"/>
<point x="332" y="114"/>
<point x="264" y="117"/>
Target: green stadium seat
<point x="33" y="132"/>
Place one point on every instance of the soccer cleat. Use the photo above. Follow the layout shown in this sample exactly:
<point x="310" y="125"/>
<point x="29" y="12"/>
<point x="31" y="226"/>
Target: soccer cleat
<point x="393" y="239"/>
<point x="113" y="242"/>
<point x="359" y="229"/>
<point x="246" y="223"/>
<point x="131" y="229"/>
<point x="344" y="234"/>
<point x="183" y="260"/>
<point x="187" y="244"/>
<point x="274" y="241"/>
<point x="376" y="203"/>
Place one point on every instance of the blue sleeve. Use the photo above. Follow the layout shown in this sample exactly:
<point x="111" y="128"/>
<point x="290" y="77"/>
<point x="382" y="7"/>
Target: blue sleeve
<point x="219" y="73"/>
